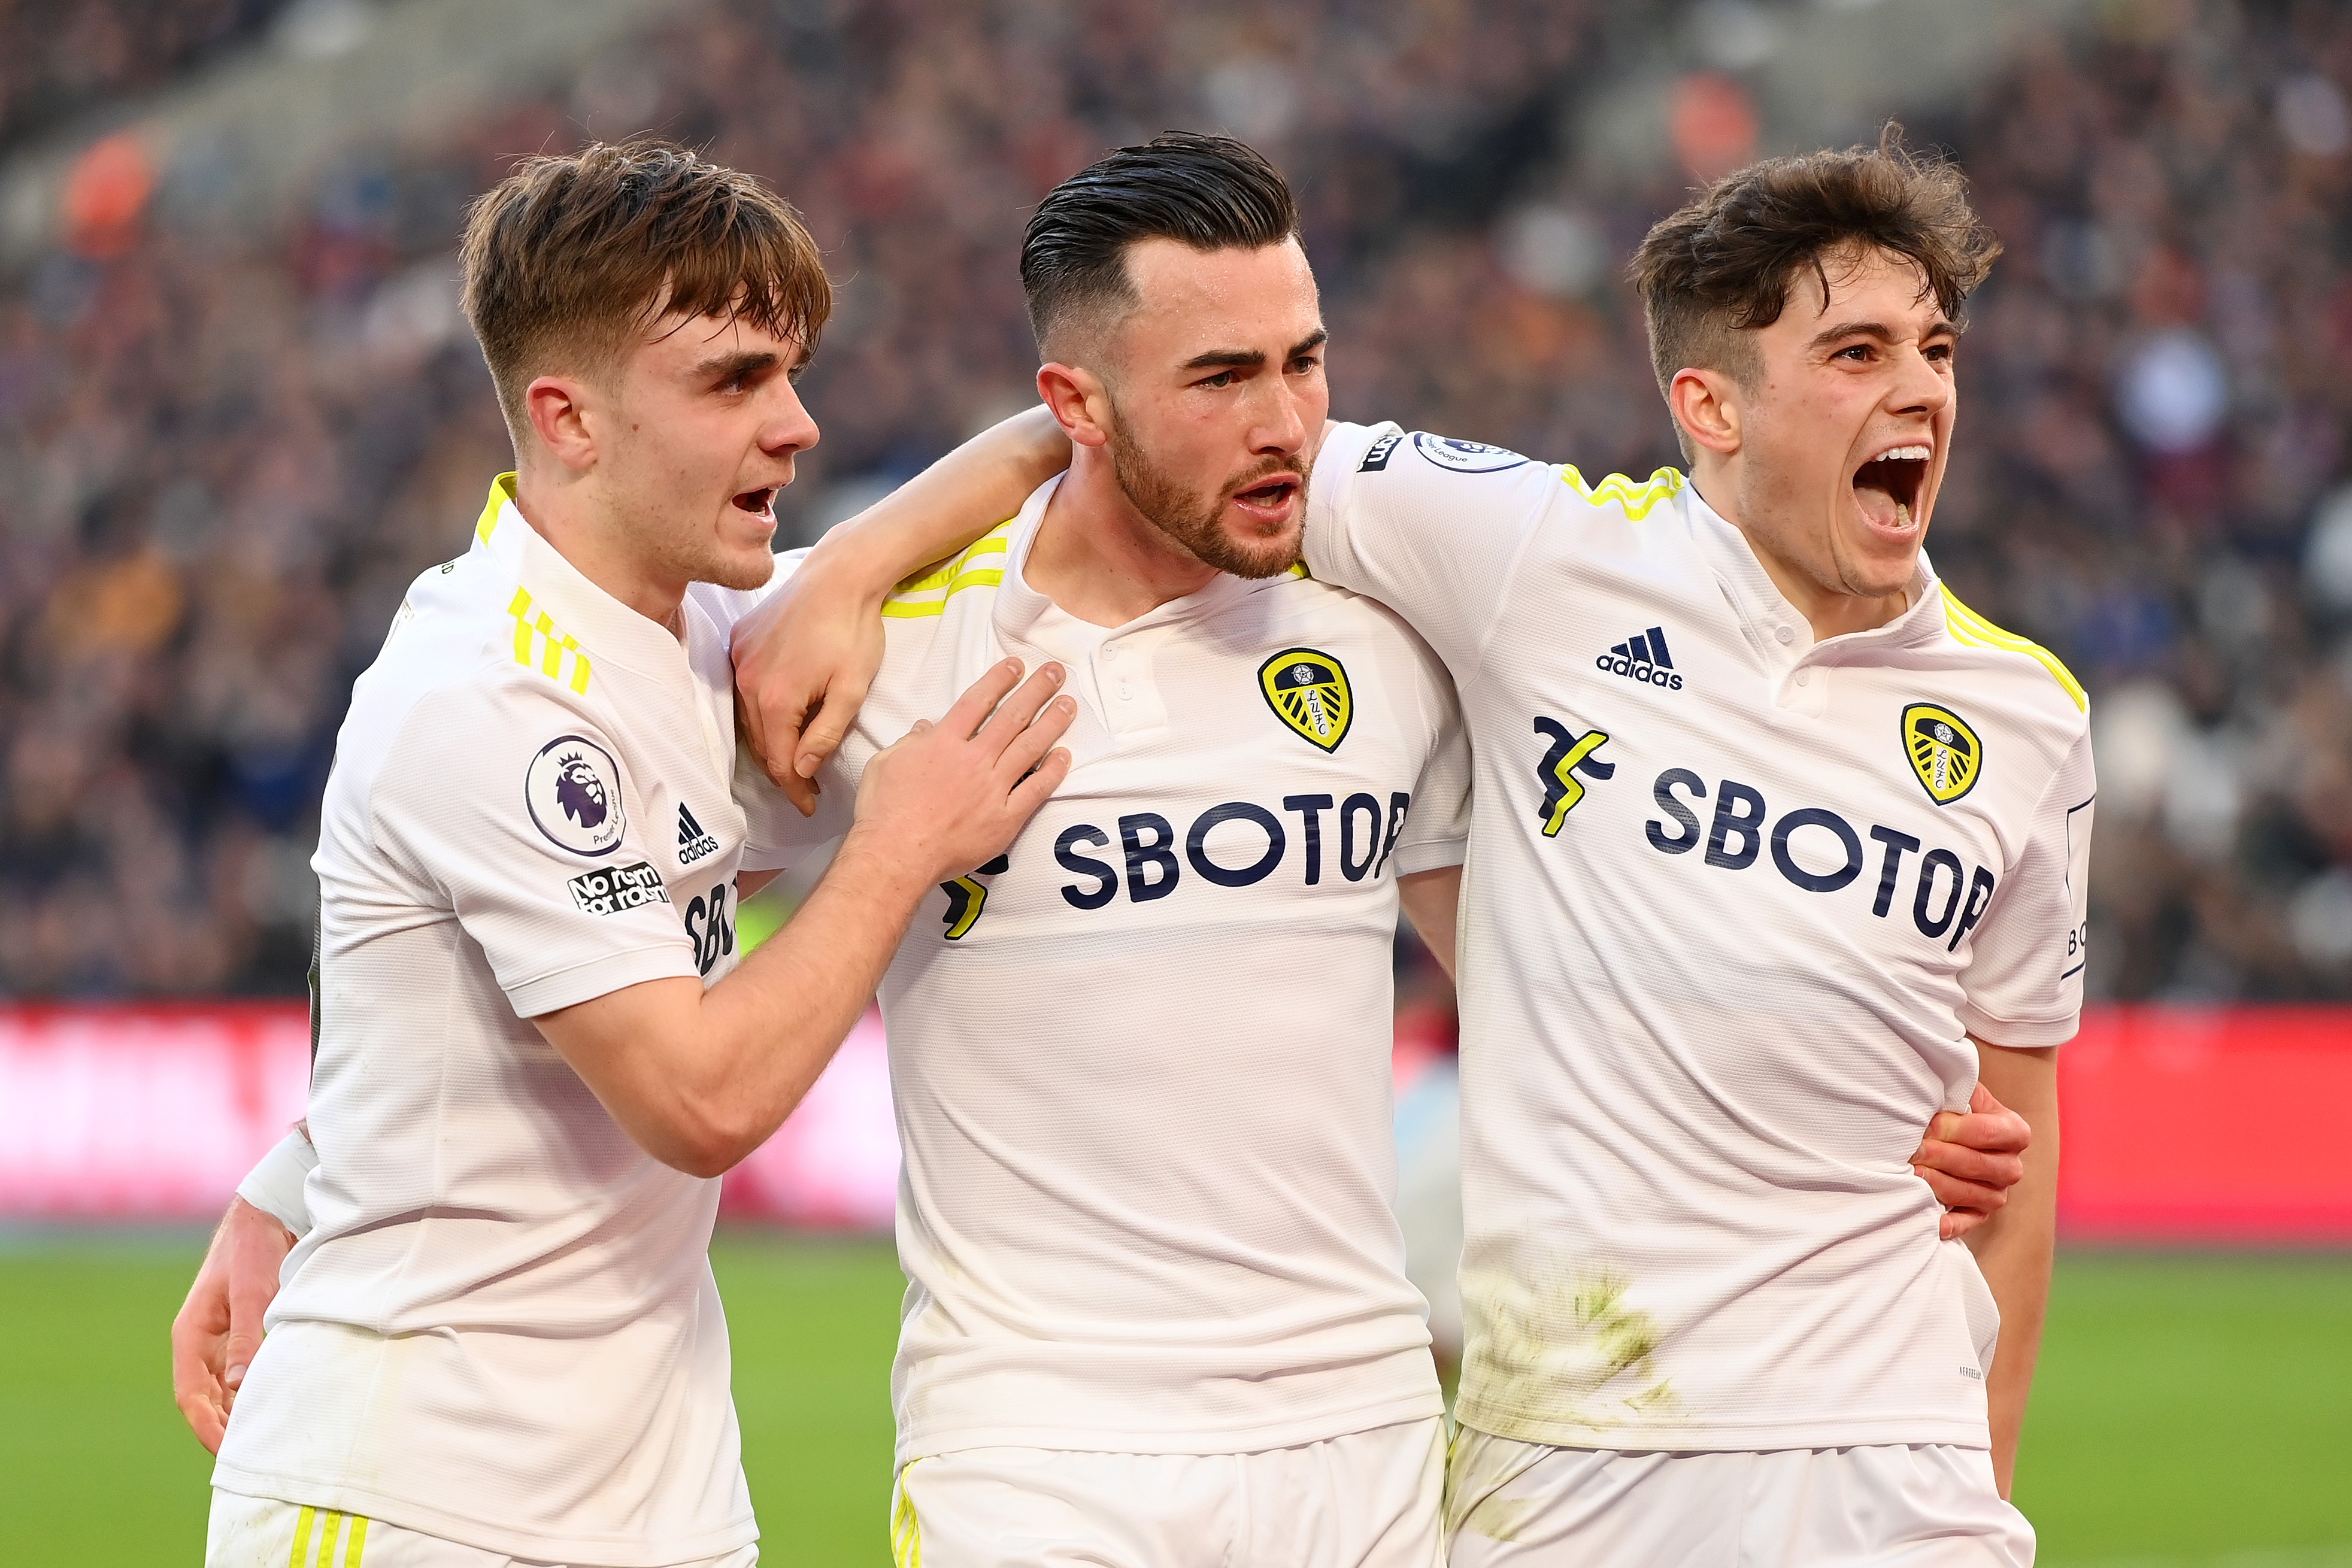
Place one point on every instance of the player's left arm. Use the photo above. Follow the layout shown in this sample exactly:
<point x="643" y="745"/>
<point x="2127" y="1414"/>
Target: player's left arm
<point x="1432" y="899"/>
<point x="2014" y="1247"/>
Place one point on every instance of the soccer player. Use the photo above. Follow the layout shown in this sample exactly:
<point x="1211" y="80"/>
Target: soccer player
<point x="535" y="1050"/>
<point x="1778" y="849"/>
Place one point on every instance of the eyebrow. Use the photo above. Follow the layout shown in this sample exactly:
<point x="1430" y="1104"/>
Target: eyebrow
<point x="742" y="362"/>
<point x="1939" y="328"/>
<point x="1251" y="359"/>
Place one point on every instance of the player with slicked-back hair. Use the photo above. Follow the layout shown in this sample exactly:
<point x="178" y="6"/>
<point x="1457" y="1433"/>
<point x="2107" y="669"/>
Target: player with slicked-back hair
<point x="498" y="1340"/>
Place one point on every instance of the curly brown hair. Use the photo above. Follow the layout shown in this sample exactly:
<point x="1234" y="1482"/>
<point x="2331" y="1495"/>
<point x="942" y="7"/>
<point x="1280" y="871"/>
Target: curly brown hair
<point x="1721" y="265"/>
<point x="570" y="256"/>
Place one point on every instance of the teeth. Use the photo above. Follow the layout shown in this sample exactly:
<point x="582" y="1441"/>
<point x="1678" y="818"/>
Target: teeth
<point x="1906" y="454"/>
<point x="1902" y="514"/>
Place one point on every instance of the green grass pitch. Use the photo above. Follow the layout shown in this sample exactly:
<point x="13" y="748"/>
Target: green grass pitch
<point x="2192" y="1411"/>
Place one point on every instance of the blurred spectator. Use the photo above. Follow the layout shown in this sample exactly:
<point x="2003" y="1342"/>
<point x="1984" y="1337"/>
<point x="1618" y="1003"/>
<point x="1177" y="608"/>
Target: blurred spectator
<point x="229" y="454"/>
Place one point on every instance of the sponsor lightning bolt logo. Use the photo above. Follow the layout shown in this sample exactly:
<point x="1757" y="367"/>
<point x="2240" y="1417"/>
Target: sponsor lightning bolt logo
<point x="1642" y="657"/>
<point x="1571" y="755"/>
<point x="967" y="897"/>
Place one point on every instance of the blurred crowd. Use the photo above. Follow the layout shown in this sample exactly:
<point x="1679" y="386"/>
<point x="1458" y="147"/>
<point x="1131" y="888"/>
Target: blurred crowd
<point x="227" y="453"/>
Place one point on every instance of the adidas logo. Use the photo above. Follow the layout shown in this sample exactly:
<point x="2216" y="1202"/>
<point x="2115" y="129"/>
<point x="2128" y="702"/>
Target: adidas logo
<point x="1641" y="657"/>
<point x="693" y="843"/>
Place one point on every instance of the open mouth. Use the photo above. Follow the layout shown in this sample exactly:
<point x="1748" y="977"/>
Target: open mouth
<point x="1269" y="499"/>
<point x="756" y="502"/>
<point x="1887" y="487"/>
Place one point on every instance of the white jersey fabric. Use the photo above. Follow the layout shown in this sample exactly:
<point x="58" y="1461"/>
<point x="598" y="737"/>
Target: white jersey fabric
<point x="502" y="1328"/>
<point x="1141" y="1064"/>
<point x="1734" y="901"/>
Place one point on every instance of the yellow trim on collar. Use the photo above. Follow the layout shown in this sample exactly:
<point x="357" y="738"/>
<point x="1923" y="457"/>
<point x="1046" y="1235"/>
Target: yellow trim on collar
<point x="503" y="490"/>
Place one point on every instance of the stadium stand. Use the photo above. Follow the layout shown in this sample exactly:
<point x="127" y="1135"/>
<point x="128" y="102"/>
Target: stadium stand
<point x="228" y="452"/>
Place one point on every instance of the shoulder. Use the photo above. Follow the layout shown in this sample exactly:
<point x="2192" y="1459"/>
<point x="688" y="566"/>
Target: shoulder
<point x="927" y="593"/>
<point x="2039" y="681"/>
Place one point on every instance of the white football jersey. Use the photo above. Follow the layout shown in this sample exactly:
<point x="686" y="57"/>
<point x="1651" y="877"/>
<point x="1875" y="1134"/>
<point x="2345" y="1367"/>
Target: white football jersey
<point x="502" y="1330"/>
<point x="1733" y="901"/>
<point x="1141" y="1063"/>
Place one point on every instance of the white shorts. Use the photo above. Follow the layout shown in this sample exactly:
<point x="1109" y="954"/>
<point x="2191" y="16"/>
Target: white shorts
<point x="262" y="1533"/>
<point x="1369" y="1499"/>
<point x="1528" y="1506"/>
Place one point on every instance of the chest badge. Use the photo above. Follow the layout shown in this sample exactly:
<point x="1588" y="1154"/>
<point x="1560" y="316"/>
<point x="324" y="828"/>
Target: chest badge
<point x="1945" y="752"/>
<point x="1308" y="692"/>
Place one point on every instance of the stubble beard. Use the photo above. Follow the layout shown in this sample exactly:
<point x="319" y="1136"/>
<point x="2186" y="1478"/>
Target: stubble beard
<point x="1193" y="522"/>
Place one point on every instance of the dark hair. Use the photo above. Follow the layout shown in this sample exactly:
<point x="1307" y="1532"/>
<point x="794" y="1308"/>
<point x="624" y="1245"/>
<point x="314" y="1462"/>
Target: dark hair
<point x="1722" y="264"/>
<point x="1206" y="192"/>
<point x="568" y="256"/>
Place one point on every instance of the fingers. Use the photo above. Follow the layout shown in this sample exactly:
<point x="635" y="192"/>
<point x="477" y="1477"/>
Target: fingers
<point x="1990" y="1124"/>
<point x="1043" y="780"/>
<point x="1028" y="746"/>
<point x="1988" y="1167"/>
<point x="196" y="1386"/>
<point x="824" y="733"/>
<point x="1959" y="1222"/>
<point x="1954" y="1192"/>
<point x="1021" y="709"/>
<point x="963" y="720"/>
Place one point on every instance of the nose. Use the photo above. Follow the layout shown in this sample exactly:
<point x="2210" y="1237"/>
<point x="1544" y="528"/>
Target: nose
<point x="789" y="427"/>
<point x="1281" y="424"/>
<point x="1919" y="387"/>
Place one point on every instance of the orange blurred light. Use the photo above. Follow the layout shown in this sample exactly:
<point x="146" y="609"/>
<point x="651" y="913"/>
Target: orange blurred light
<point x="105" y="192"/>
<point x="1713" y="124"/>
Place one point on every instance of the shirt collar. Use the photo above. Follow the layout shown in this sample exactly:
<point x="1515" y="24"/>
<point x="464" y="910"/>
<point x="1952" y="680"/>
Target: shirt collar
<point x="1019" y="606"/>
<point x="550" y="587"/>
<point x="1763" y="610"/>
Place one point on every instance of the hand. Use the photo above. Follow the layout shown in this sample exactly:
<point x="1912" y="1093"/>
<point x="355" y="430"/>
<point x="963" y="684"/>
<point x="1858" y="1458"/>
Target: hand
<point x="953" y="795"/>
<point x="219" y="1327"/>
<point x="1971" y="1161"/>
<point x="804" y="660"/>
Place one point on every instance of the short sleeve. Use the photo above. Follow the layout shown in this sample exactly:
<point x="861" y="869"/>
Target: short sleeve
<point x="513" y="809"/>
<point x="1437" y="829"/>
<point x="1427" y="525"/>
<point x="776" y="837"/>
<point x="2023" y="985"/>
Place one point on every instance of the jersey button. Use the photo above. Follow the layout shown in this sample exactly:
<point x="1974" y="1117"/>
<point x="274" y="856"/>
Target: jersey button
<point x="1125" y="692"/>
<point x="1112" y="652"/>
<point x="1805" y="677"/>
<point x="1786" y="634"/>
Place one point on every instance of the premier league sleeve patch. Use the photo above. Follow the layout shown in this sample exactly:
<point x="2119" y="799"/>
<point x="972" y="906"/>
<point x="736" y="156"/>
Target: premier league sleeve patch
<point x="574" y="790"/>
<point x="1464" y="456"/>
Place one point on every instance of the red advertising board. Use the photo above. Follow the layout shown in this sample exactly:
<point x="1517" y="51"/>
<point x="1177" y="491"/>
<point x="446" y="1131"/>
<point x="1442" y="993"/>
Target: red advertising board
<point x="2181" y="1124"/>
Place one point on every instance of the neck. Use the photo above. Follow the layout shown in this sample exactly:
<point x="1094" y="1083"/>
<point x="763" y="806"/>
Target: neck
<point x="563" y="508"/>
<point x="1830" y="611"/>
<point x="1099" y="558"/>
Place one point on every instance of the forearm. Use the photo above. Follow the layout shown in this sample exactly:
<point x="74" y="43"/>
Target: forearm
<point x="2015" y="1248"/>
<point x="1430" y="900"/>
<point x="947" y="505"/>
<point x="700" y="1078"/>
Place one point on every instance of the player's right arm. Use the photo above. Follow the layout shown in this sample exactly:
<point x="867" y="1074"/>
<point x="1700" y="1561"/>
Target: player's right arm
<point x="700" y="1078"/>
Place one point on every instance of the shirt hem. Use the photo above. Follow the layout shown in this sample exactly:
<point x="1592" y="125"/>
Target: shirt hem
<point x="592" y="1551"/>
<point x="599" y="976"/>
<point x="923" y="1445"/>
<point x="1762" y="1437"/>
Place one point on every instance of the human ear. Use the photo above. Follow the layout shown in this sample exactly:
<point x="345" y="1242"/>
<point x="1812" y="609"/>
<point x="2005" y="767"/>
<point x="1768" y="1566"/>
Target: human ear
<point x="1705" y="404"/>
<point x="557" y="409"/>
<point x="1078" y="401"/>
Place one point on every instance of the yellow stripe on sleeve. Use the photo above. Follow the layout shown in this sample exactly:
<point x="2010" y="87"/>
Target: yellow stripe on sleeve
<point x="356" y="1546"/>
<point x="906" y="1529"/>
<point x="503" y="490"/>
<point x="301" y="1556"/>
<point x="1967" y="626"/>
<point x="927" y="593"/>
